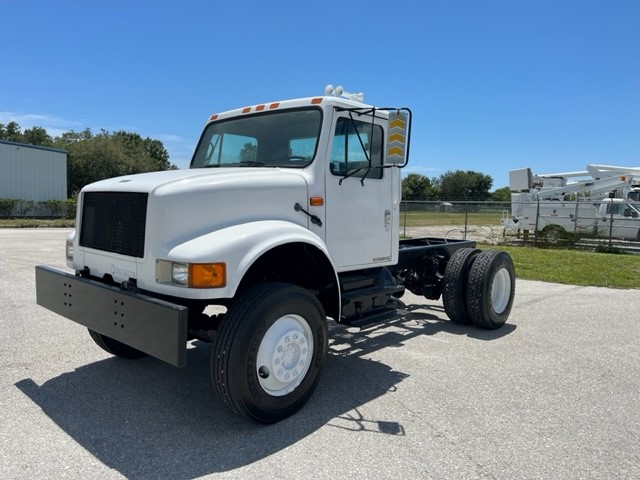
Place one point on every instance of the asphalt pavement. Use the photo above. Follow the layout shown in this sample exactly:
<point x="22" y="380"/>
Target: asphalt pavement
<point x="554" y="394"/>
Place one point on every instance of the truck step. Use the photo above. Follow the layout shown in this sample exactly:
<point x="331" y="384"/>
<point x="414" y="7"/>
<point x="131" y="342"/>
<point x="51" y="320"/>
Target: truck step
<point x="376" y="317"/>
<point x="371" y="293"/>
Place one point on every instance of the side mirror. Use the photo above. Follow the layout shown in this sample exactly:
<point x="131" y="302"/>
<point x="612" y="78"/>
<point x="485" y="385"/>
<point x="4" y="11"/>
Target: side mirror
<point x="398" y="134"/>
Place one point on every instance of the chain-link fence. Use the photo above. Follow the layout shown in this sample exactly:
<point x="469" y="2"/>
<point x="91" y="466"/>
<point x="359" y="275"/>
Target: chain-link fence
<point x="606" y="224"/>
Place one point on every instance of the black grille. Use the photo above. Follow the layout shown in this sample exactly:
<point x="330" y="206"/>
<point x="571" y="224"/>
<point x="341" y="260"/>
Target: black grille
<point x="114" y="222"/>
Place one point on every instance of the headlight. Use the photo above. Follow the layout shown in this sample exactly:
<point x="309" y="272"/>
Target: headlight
<point x="180" y="273"/>
<point x="192" y="275"/>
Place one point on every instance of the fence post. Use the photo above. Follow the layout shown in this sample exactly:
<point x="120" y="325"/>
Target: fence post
<point x="611" y="195"/>
<point x="535" y="232"/>
<point x="466" y="213"/>
<point x="404" y="234"/>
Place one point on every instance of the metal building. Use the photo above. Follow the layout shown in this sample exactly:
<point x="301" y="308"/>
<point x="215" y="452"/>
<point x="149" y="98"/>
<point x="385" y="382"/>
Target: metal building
<point x="29" y="172"/>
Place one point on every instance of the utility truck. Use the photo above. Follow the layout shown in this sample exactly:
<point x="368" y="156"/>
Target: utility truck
<point x="287" y="218"/>
<point x="601" y="201"/>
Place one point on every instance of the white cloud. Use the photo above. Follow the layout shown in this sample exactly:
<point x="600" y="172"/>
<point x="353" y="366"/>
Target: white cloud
<point x="180" y="148"/>
<point x="421" y="169"/>
<point x="54" y="125"/>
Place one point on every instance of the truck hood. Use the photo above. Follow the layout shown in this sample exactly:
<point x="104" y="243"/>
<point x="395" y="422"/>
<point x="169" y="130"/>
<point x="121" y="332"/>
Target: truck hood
<point x="185" y="204"/>
<point x="180" y="181"/>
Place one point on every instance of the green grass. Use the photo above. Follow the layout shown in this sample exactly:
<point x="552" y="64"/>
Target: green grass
<point x="575" y="267"/>
<point x="432" y="219"/>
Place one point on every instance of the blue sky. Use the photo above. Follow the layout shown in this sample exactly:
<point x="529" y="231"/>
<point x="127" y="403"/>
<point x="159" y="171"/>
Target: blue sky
<point x="493" y="85"/>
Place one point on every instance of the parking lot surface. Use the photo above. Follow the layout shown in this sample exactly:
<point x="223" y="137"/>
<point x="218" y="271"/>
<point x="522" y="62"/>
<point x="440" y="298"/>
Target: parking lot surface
<point x="554" y="394"/>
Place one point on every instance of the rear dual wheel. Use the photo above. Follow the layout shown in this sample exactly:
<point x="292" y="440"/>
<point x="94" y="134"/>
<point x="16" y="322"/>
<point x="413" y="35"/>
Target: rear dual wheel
<point x="490" y="289"/>
<point x="478" y="287"/>
<point x="454" y="284"/>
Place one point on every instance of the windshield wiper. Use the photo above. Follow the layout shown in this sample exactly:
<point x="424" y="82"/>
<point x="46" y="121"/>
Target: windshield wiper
<point x="251" y="163"/>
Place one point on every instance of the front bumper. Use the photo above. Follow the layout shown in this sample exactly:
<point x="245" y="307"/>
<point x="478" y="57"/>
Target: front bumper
<point x="153" y="326"/>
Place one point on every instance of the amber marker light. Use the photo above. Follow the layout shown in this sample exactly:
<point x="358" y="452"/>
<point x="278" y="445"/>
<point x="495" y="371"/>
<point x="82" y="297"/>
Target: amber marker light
<point x="316" y="101"/>
<point x="207" y="275"/>
<point x="316" y="201"/>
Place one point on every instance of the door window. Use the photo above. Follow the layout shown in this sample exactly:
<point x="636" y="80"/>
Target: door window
<point x="357" y="149"/>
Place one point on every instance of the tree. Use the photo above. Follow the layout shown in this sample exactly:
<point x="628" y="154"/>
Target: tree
<point x="93" y="159"/>
<point x="11" y="132"/>
<point x="144" y="151"/>
<point x="37" y="136"/>
<point x="248" y="152"/>
<point x="71" y="137"/>
<point x="460" y="185"/>
<point x="105" y="155"/>
<point x="501" y="195"/>
<point x="96" y="157"/>
<point x="418" y="187"/>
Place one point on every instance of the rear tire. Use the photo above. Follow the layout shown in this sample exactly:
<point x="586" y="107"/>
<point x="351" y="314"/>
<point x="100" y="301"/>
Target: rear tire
<point x="491" y="289"/>
<point x="454" y="284"/>
<point x="115" y="347"/>
<point x="554" y="235"/>
<point x="269" y="352"/>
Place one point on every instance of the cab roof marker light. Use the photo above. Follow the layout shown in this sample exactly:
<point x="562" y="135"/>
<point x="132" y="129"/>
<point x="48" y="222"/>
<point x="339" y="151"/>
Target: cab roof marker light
<point x="259" y="108"/>
<point x="339" y="92"/>
<point x="274" y="105"/>
<point x="316" y="101"/>
<point x="246" y="109"/>
<point x="213" y="117"/>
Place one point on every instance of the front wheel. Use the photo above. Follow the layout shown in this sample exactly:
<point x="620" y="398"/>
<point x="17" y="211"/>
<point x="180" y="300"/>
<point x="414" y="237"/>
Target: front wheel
<point x="115" y="347"/>
<point x="269" y="352"/>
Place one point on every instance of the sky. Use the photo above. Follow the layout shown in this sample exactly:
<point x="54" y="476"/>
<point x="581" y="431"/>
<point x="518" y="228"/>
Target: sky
<point x="494" y="85"/>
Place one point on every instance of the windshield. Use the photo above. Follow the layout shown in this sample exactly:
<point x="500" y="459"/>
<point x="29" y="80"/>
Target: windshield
<point x="286" y="138"/>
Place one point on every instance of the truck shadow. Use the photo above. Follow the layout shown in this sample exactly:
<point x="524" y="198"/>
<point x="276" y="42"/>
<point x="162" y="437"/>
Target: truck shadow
<point x="146" y="419"/>
<point x="433" y="324"/>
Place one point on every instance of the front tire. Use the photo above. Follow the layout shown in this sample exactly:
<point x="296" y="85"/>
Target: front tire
<point x="270" y="350"/>
<point x="115" y="347"/>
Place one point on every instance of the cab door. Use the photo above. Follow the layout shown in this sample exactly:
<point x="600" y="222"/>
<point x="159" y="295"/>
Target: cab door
<point x="359" y="210"/>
